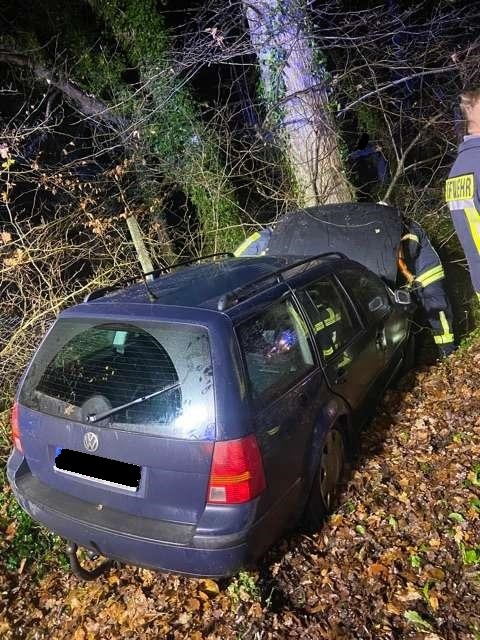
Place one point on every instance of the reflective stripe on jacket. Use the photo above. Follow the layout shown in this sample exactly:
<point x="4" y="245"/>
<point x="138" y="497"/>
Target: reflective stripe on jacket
<point x="255" y="245"/>
<point x="421" y="259"/>
<point x="446" y="337"/>
<point x="420" y="264"/>
<point x="462" y="195"/>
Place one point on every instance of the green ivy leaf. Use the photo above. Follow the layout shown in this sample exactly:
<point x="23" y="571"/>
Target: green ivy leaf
<point x="415" y="561"/>
<point x="426" y="590"/>
<point x="471" y="556"/>
<point x="416" y="619"/>
<point x="476" y="632"/>
<point x="8" y="163"/>
<point x="474" y="476"/>
<point x="475" y="503"/>
<point x="456" y="517"/>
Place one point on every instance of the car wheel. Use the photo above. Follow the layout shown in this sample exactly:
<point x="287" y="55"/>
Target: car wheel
<point x="409" y="358"/>
<point x="324" y="487"/>
<point x="410" y="353"/>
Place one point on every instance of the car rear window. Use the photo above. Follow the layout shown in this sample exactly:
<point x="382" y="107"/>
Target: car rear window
<point x="84" y="369"/>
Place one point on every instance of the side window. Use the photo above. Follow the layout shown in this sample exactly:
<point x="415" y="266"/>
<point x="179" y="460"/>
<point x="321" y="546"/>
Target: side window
<point x="276" y="350"/>
<point x="369" y="292"/>
<point x="332" y="317"/>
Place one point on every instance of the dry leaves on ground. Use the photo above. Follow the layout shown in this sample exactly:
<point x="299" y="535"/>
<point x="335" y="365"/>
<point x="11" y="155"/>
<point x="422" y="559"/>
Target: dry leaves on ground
<point x="400" y="557"/>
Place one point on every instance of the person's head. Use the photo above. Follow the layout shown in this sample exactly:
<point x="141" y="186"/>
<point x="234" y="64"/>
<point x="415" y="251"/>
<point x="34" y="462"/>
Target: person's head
<point x="470" y="106"/>
<point x="363" y="141"/>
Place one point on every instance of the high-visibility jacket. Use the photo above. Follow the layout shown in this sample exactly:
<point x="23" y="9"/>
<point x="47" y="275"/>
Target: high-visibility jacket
<point x="462" y="195"/>
<point x="422" y="262"/>
<point x="255" y="245"/>
<point x="422" y="268"/>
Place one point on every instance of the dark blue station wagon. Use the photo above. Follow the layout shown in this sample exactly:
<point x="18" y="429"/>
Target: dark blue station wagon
<point x="184" y="425"/>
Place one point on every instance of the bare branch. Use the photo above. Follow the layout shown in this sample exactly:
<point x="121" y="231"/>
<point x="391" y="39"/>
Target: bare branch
<point x="88" y="105"/>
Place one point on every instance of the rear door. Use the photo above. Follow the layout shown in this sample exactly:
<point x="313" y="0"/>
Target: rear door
<point x="347" y="346"/>
<point x="287" y="389"/>
<point x="122" y="414"/>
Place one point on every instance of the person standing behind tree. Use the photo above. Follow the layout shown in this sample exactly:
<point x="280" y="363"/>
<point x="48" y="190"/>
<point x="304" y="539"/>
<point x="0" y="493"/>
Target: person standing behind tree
<point x="462" y="188"/>
<point x="369" y="168"/>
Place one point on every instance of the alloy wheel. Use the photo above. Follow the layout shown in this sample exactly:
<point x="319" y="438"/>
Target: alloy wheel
<point x="331" y="464"/>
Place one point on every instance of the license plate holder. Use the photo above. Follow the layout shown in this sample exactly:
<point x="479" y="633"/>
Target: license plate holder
<point x="96" y="468"/>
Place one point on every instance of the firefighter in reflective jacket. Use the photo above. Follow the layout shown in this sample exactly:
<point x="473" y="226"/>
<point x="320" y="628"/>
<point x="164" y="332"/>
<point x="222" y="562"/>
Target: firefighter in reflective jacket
<point x="462" y="189"/>
<point x="255" y="245"/>
<point x="420" y="265"/>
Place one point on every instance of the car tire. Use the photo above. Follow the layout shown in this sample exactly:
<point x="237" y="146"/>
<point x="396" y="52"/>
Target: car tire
<point x="409" y="355"/>
<point x="324" y="488"/>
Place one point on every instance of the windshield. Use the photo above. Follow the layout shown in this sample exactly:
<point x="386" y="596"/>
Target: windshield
<point x="84" y="368"/>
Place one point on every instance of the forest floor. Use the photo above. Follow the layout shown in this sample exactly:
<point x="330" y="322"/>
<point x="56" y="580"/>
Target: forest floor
<point x="399" y="558"/>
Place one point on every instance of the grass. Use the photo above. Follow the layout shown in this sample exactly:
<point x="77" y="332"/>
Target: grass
<point x="473" y="336"/>
<point x="470" y="339"/>
<point x="243" y="587"/>
<point x="23" y="540"/>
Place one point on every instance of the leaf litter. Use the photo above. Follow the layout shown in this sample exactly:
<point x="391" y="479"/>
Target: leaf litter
<point x="399" y="557"/>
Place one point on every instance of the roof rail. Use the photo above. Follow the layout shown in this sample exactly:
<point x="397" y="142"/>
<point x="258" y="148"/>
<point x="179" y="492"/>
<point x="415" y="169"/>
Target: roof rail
<point x="98" y="293"/>
<point x="234" y="297"/>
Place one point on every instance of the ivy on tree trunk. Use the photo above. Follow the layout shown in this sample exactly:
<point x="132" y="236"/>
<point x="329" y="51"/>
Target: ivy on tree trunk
<point x="296" y="89"/>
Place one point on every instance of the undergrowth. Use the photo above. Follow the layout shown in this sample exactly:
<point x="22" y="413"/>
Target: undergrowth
<point x="24" y="540"/>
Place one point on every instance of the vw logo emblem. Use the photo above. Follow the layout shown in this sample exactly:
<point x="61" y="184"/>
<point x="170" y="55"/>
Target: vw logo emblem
<point x="90" y="441"/>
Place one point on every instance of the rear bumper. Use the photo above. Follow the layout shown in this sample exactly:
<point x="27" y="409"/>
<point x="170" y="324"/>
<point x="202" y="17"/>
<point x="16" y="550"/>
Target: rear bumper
<point x="130" y="539"/>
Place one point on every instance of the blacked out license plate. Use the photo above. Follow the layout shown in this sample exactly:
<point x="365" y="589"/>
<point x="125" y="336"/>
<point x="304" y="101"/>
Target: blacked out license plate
<point x="104" y="470"/>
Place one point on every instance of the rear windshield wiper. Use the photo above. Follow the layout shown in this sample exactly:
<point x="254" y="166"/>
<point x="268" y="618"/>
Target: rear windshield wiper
<point x="95" y="417"/>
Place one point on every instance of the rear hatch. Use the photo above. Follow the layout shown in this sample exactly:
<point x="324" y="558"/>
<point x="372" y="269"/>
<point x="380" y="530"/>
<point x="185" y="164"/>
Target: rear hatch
<point x="121" y="414"/>
<point x="366" y="232"/>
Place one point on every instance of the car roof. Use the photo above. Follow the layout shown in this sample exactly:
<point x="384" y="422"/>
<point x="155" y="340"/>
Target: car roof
<point x="202" y="284"/>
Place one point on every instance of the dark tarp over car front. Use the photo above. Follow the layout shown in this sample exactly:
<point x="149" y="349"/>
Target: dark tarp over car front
<point x="366" y="232"/>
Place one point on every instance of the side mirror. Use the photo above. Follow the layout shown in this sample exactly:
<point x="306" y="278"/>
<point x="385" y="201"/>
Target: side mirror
<point x="403" y="297"/>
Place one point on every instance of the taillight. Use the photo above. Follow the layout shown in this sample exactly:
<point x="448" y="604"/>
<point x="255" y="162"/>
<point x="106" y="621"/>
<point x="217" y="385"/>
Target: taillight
<point x="237" y="471"/>
<point x="17" y="443"/>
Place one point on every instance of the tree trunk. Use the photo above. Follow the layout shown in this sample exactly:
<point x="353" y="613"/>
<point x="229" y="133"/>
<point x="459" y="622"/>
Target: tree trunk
<point x="296" y="86"/>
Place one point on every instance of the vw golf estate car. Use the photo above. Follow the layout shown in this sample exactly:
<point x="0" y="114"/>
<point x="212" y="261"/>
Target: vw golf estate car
<point x="184" y="425"/>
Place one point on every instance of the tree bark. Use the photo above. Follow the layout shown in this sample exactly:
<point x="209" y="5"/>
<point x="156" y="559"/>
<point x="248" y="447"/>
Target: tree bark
<point x="298" y="86"/>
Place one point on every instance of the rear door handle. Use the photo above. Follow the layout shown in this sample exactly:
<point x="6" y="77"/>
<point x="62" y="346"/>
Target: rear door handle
<point x="303" y="399"/>
<point x="273" y="431"/>
<point x="381" y="339"/>
<point x="340" y="376"/>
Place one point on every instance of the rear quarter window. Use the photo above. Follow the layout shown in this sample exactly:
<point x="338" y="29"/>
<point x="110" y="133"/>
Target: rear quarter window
<point x="276" y="350"/>
<point x="84" y="369"/>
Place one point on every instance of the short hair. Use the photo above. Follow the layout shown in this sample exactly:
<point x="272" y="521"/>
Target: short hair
<point x="363" y="141"/>
<point x="471" y="89"/>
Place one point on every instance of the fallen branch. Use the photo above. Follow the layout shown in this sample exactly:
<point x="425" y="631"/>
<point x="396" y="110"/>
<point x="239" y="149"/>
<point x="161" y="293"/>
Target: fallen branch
<point x="88" y="105"/>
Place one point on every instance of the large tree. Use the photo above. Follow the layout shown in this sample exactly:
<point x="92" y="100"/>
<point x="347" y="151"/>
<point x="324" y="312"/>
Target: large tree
<point x="295" y="85"/>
